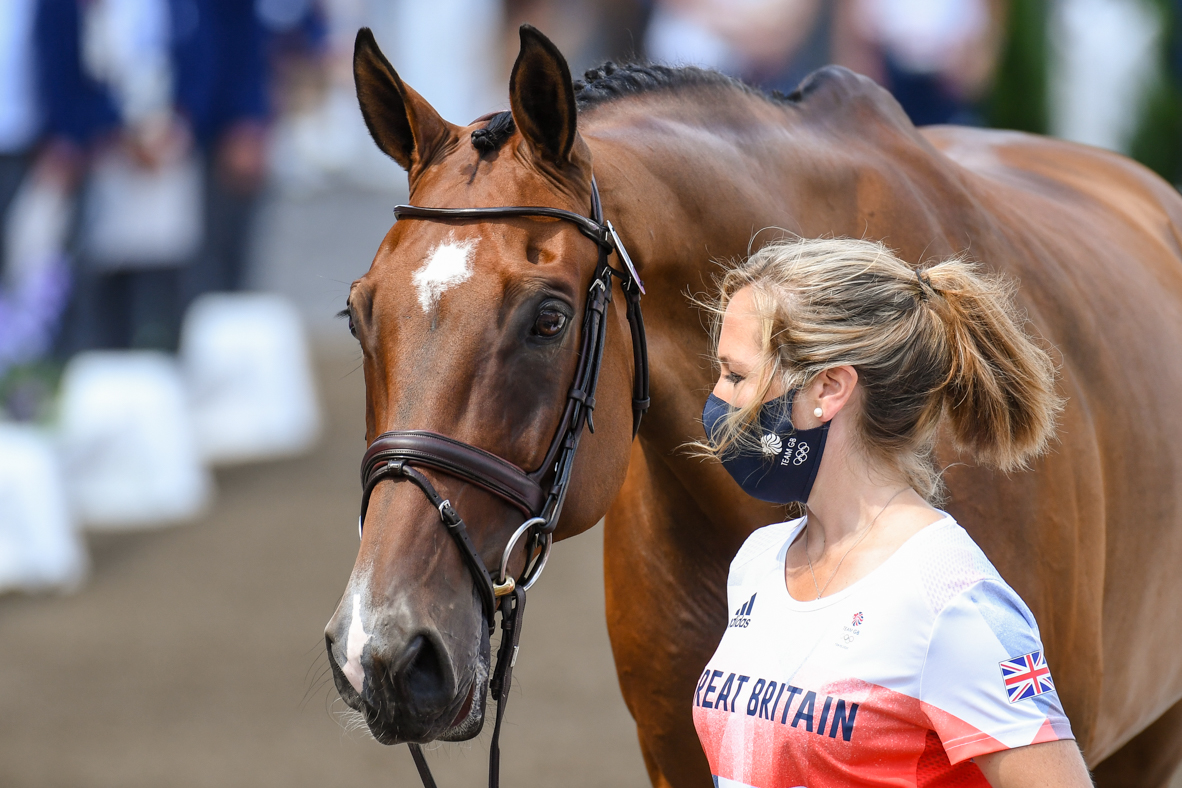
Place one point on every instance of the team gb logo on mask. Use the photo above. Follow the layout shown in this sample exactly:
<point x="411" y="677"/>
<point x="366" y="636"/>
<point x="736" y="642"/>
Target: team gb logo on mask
<point x="771" y="444"/>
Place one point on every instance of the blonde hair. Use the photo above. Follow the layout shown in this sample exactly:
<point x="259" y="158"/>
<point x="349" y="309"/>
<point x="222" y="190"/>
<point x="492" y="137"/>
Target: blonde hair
<point x="945" y="342"/>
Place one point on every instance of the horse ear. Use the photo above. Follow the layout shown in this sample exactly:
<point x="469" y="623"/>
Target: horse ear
<point x="542" y="97"/>
<point x="405" y="127"/>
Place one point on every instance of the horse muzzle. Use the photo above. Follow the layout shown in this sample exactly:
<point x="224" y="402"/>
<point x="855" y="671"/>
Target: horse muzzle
<point x="412" y="688"/>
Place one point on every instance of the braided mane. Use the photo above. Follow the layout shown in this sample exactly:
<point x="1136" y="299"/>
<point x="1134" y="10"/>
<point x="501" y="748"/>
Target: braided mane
<point x="608" y="82"/>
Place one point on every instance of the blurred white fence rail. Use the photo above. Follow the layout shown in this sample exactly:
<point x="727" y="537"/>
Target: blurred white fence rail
<point x="127" y="442"/>
<point x="249" y="376"/>
<point x="40" y="549"/>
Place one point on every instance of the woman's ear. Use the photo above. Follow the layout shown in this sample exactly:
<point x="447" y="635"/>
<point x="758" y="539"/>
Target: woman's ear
<point x="832" y="389"/>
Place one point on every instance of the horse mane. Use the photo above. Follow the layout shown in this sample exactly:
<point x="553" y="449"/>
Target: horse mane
<point x="610" y="81"/>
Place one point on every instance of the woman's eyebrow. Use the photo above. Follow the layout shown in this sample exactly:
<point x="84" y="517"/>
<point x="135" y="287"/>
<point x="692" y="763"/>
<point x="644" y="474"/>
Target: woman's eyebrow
<point x="726" y="362"/>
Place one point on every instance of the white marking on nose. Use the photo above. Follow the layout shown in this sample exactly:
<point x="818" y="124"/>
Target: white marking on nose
<point x="356" y="641"/>
<point x="448" y="264"/>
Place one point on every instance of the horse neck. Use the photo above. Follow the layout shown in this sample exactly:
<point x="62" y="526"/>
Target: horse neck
<point x="697" y="179"/>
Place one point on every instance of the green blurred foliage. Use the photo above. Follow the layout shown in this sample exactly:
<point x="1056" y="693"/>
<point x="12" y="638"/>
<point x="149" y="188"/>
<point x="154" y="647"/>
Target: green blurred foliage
<point x="1157" y="142"/>
<point x="1019" y="99"/>
<point x="1019" y="96"/>
<point x="28" y="391"/>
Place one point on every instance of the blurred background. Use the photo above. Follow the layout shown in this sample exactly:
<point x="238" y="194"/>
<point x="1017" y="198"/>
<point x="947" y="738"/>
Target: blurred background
<point x="187" y="190"/>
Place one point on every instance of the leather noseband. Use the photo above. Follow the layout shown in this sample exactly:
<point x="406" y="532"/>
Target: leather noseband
<point x="459" y="460"/>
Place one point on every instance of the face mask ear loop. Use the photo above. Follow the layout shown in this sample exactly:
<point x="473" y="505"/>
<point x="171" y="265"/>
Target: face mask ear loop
<point x="808" y="487"/>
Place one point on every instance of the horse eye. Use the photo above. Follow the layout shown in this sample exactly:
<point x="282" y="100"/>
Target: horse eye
<point x="550" y="323"/>
<point x="348" y="313"/>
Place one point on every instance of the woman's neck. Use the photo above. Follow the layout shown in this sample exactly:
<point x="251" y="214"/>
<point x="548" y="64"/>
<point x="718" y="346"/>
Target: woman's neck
<point x="860" y="511"/>
<point x="850" y="492"/>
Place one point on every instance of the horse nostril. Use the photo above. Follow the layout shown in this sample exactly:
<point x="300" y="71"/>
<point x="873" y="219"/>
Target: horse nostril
<point x="424" y="680"/>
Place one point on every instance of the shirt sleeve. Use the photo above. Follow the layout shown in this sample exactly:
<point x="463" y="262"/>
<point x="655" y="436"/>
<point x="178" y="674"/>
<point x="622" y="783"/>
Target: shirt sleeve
<point x="986" y="684"/>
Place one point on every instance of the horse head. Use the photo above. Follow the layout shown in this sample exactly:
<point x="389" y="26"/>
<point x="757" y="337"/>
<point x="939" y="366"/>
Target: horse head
<point x="470" y="328"/>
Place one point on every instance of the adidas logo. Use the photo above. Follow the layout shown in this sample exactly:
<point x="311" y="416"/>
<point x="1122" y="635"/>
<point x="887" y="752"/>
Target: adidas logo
<point x="743" y="615"/>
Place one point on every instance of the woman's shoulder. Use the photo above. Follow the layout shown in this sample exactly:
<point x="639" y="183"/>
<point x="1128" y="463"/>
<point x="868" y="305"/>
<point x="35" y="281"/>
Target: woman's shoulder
<point x="767" y="543"/>
<point x="943" y="562"/>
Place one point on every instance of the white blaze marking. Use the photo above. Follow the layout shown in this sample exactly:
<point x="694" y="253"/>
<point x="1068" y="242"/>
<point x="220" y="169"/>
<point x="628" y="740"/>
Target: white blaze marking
<point x="356" y="641"/>
<point x="448" y="264"/>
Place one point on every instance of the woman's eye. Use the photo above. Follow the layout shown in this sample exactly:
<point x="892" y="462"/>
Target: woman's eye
<point x="550" y="323"/>
<point x="733" y="379"/>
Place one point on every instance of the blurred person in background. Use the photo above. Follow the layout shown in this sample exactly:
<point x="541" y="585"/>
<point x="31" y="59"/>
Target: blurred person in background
<point x="33" y="280"/>
<point x="156" y="120"/>
<point x="770" y="43"/>
<point x="19" y="113"/>
<point x="115" y="144"/>
<point x="937" y="57"/>
<point x="220" y="52"/>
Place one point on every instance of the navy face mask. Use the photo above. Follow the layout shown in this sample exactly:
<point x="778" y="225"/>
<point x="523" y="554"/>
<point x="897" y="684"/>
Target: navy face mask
<point x="785" y="466"/>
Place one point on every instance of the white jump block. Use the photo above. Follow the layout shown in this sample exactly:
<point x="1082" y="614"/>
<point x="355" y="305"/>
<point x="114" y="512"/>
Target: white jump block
<point x="40" y="548"/>
<point x="127" y="442"/>
<point x="246" y="363"/>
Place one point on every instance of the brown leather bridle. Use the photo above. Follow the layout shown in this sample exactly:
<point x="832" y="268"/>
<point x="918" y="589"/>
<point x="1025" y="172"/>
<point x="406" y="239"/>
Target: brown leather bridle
<point x="539" y="494"/>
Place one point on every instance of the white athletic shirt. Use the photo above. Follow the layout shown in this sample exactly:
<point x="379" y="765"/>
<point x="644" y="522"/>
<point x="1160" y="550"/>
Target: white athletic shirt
<point x="897" y="680"/>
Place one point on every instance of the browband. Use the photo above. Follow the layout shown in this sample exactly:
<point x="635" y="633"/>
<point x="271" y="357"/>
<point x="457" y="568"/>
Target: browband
<point x="596" y="232"/>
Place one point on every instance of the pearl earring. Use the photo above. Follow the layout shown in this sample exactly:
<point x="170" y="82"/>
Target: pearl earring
<point x="818" y="412"/>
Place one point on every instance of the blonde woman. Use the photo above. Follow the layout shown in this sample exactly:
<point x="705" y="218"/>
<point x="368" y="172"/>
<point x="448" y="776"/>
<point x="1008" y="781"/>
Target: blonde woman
<point x="872" y="642"/>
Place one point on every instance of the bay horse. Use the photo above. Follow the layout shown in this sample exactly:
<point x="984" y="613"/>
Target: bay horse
<point x="468" y="330"/>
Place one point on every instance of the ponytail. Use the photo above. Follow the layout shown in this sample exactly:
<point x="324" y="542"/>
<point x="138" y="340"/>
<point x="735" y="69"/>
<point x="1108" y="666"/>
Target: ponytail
<point x="999" y="395"/>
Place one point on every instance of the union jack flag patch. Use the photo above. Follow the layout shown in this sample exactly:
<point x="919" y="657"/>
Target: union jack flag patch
<point x="1026" y="676"/>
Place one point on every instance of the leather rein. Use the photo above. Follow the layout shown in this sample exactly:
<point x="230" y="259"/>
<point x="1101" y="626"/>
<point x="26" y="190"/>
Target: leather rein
<point x="540" y="494"/>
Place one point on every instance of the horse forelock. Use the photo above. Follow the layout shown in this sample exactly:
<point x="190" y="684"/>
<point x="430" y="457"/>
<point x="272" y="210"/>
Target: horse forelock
<point x="494" y="133"/>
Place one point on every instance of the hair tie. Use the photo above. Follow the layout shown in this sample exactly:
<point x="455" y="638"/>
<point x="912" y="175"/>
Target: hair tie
<point x="925" y="283"/>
